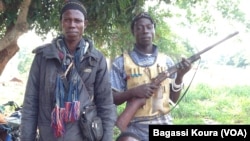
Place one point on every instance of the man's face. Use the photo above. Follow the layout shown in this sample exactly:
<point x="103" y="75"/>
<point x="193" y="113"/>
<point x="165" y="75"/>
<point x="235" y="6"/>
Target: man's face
<point x="73" y="24"/>
<point x="144" y="32"/>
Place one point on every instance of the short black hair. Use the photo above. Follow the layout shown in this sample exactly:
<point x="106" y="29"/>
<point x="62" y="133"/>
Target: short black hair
<point x="127" y="134"/>
<point x="73" y="4"/>
<point x="139" y="16"/>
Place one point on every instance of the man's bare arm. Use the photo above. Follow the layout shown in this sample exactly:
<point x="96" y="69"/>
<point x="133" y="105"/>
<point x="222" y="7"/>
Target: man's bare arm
<point x="126" y="116"/>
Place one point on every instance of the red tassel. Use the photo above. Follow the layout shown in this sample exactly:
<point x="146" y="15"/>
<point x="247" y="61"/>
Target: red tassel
<point x="56" y="122"/>
<point x="75" y="111"/>
<point x="67" y="111"/>
<point x="62" y="115"/>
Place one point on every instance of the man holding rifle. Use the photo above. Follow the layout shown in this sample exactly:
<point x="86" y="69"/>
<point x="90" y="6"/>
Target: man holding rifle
<point x="134" y="80"/>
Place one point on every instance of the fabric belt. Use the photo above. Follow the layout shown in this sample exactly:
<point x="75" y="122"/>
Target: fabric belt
<point x="148" y="122"/>
<point x="145" y="119"/>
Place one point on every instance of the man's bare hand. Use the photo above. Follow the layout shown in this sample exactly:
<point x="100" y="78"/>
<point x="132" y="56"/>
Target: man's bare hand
<point x="144" y="91"/>
<point x="184" y="67"/>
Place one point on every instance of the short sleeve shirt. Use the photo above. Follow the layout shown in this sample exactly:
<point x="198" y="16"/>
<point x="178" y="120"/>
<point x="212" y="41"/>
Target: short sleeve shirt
<point x="118" y="75"/>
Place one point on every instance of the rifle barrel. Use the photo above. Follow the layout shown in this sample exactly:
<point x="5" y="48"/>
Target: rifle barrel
<point x="196" y="56"/>
<point x="215" y="44"/>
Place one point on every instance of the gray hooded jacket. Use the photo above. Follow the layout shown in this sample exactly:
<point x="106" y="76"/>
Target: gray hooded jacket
<point x="39" y="99"/>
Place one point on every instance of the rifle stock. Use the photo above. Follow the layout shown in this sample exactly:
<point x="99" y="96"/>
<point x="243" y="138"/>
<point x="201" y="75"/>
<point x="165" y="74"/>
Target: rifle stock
<point x="127" y="115"/>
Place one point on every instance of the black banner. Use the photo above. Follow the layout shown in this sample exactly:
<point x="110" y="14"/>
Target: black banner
<point x="215" y="132"/>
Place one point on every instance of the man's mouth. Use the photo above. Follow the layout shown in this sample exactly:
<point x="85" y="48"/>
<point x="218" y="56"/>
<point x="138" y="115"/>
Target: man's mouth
<point x="71" y="32"/>
<point x="146" y="38"/>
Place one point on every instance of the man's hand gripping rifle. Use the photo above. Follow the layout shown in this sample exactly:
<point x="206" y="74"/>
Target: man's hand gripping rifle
<point x="130" y="109"/>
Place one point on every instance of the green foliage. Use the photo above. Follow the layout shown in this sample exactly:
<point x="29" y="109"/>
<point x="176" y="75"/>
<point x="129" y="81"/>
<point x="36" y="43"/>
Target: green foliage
<point x="230" y="10"/>
<point x="9" y="16"/>
<point x="109" y="21"/>
<point x="207" y="14"/>
<point x="204" y="104"/>
<point x="239" y="59"/>
<point x="242" y="61"/>
<point x="223" y="105"/>
<point x="25" y="59"/>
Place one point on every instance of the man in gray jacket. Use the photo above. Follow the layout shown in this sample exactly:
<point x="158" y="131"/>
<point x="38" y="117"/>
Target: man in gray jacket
<point x="65" y="76"/>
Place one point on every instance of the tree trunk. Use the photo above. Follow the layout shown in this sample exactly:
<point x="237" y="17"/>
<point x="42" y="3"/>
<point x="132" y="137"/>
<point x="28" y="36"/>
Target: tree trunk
<point x="7" y="54"/>
<point x="8" y="44"/>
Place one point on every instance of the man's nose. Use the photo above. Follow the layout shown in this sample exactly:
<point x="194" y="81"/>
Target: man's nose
<point x="72" y="24"/>
<point x="145" y="29"/>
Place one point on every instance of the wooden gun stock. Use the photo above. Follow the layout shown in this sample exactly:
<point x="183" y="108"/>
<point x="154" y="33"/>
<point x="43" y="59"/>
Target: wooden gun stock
<point x="131" y="108"/>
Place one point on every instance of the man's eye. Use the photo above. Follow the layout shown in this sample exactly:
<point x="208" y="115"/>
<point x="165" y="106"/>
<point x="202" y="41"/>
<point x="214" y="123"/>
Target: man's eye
<point x="138" y="28"/>
<point x="78" y="21"/>
<point x="66" y="20"/>
<point x="151" y="26"/>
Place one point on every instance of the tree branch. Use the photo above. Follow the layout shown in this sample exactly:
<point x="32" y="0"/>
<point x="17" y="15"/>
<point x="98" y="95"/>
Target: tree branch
<point x="2" y="7"/>
<point x="20" y="27"/>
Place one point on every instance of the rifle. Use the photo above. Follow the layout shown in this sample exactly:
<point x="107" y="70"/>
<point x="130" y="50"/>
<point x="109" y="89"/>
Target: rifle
<point x="129" y="111"/>
<point x="162" y="76"/>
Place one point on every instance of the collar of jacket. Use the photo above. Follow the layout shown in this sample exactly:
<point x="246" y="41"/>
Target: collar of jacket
<point x="50" y="50"/>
